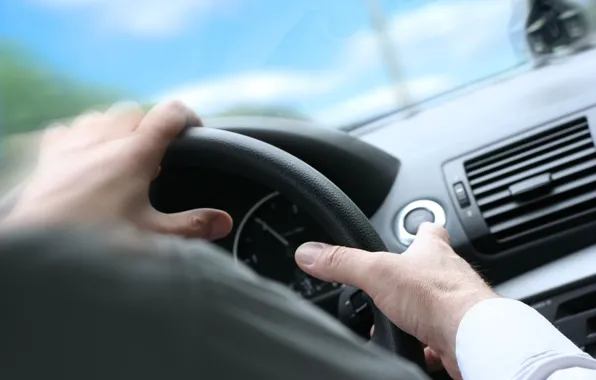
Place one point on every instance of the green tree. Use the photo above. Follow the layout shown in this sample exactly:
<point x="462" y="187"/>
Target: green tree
<point x="31" y="94"/>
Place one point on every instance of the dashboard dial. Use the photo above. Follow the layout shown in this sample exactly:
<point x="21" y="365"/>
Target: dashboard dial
<point x="267" y="239"/>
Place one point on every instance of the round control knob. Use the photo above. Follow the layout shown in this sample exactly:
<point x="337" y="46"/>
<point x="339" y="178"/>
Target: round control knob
<point x="410" y="218"/>
<point x="416" y="217"/>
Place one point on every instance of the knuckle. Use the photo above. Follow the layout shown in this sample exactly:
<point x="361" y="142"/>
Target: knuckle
<point x="182" y="224"/>
<point x="172" y="111"/>
<point x="165" y="121"/>
<point x="197" y="223"/>
<point x="54" y="126"/>
<point x="174" y="105"/>
<point x="52" y="134"/>
<point x="334" y="257"/>
<point x="434" y="230"/>
<point x="89" y="116"/>
<point x="128" y="105"/>
<point x="127" y="108"/>
<point x="54" y="129"/>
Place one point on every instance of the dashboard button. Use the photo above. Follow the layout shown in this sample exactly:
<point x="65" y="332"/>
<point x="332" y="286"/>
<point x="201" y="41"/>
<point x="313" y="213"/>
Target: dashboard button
<point x="461" y="195"/>
<point x="416" y="217"/>
<point x="411" y="216"/>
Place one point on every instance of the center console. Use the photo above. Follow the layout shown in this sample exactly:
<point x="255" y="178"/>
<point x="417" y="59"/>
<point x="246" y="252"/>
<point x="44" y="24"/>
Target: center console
<point x="572" y="310"/>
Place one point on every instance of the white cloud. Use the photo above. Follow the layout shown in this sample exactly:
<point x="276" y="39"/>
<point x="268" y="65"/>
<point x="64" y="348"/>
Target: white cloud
<point x="435" y="42"/>
<point x="253" y="88"/>
<point x="139" y="17"/>
<point x="381" y="99"/>
<point x="459" y="29"/>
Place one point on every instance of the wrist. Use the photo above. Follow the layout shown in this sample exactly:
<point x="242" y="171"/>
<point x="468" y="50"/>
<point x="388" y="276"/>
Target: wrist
<point x="453" y="310"/>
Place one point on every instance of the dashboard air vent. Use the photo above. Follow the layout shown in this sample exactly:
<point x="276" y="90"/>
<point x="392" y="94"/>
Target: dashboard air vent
<point x="538" y="185"/>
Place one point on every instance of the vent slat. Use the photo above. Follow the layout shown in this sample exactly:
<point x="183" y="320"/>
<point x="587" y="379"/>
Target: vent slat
<point x="582" y="134"/>
<point x="532" y="162"/>
<point x="574" y="170"/>
<point x="555" y="226"/>
<point x="565" y="156"/>
<point x="548" y="166"/>
<point x="493" y="198"/>
<point x="496" y="199"/>
<point x="534" y="141"/>
<point x="555" y="194"/>
<point x="535" y="216"/>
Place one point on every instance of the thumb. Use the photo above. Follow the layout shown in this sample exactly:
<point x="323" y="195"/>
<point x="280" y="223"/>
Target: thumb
<point x="209" y="224"/>
<point x="349" y="266"/>
<point x="162" y="124"/>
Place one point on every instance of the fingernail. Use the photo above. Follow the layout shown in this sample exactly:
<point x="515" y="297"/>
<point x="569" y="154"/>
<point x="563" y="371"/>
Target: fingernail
<point x="215" y="228"/>
<point x="220" y="227"/>
<point x="307" y="253"/>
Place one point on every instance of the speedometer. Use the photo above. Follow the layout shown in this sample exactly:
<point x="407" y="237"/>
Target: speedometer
<point x="268" y="237"/>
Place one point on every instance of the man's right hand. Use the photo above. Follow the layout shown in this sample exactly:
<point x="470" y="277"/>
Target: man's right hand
<point x="425" y="291"/>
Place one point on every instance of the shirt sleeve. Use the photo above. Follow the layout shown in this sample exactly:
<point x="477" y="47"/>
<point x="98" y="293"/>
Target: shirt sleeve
<point x="502" y="339"/>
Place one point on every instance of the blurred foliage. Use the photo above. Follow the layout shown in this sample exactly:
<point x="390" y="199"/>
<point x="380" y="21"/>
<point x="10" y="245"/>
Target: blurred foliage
<point x="31" y="95"/>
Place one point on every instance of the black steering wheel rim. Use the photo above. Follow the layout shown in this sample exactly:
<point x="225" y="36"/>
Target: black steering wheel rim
<point x="313" y="192"/>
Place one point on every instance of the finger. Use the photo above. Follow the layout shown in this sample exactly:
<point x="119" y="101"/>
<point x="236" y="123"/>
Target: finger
<point x="165" y="121"/>
<point x="53" y="134"/>
<point x="124" y="118"/>
<point x="433" y="360"/>
<point x="346" y="265"/>
<point x="157" y="173"/>
<point x="372" y="330"/>
<point x="207" y="224"/>
<point x="432" y="230"/>
<point x="87" y="121"/>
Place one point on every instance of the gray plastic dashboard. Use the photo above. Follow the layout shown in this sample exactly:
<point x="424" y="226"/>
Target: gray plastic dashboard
<point x="511" y="106"/>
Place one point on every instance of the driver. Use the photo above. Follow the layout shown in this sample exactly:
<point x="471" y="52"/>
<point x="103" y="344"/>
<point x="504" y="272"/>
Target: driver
<point x="96" y="284"/>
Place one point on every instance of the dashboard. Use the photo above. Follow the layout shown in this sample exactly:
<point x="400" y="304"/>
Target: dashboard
<point x="477" y="123"/>
<point x="268" y="228"/>
<point x="521" y="150"/>
<point x="267" y="237"/>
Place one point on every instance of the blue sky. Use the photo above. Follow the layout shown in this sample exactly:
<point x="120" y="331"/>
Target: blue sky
<point x="319" y="56"/>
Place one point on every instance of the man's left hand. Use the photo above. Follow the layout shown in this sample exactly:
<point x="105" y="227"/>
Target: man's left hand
<point x="99" y="168"/>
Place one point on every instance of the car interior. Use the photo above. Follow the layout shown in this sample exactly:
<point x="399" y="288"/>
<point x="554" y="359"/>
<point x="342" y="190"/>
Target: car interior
<point x="507" y="165"/>
<point x="512" y="178"/>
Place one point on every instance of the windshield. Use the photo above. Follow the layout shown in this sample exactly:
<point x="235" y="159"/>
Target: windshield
<point x="335" y="62"/>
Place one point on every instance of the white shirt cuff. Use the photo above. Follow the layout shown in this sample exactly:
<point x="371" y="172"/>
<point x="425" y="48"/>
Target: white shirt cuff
<point x="502" y="339"/>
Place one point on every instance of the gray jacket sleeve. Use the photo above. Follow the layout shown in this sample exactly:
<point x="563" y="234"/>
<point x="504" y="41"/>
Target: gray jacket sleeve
<point x="82" y="306"/>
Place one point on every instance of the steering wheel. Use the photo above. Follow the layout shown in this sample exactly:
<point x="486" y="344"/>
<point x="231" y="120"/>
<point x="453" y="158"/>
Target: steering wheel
<point x="314" y="193"/>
